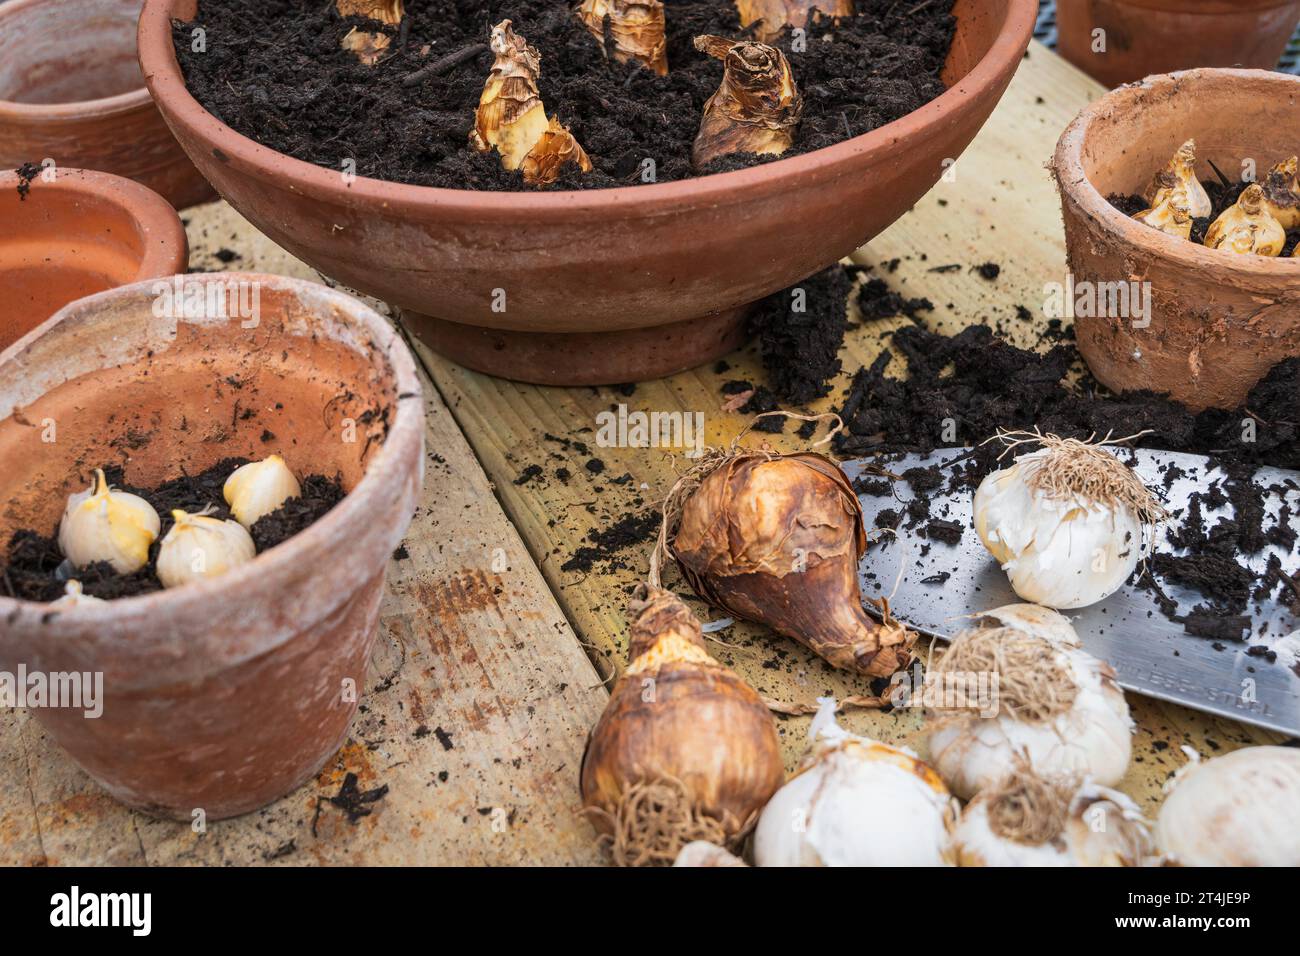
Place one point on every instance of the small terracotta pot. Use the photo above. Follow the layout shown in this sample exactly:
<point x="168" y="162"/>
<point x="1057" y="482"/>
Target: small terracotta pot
<point x="1160" y="36"/>
<point x="1218" y="321"/>
<point x="619" y="267"/>
<point x="71" y="91"/>
<point x="225" y="694"/>
<point x="80" y="233"/>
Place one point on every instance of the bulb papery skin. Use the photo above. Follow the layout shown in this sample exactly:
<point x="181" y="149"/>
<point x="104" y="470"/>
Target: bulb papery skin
<point x="1092" y="739"/>
<point x="198" y="547"/>
<point x="1061" y="553"/>
<point x="856" y="802"/>
<point x="1247" y="227"/>
<point x="678" y="714"/>
<point x="1105" y="828"/>
<point x="777" y="539"/>
<point x="102" y="524"/>
<point x="1179" y="174"/>
<point x="1241" y="809"/>
<point x="258" y="488"/>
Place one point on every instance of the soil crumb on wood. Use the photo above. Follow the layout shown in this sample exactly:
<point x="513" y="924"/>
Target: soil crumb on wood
<point x="273" y="70"/>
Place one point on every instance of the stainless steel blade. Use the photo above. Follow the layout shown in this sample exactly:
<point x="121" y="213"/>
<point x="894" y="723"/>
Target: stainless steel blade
<point x="1151" y="654"/>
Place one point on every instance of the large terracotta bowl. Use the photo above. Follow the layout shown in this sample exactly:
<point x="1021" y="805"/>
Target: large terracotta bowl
<point x="608" y="285"/>
<point x="1161" y="36"/>
<point x="71" y="92"/>
<point x="1218" y="321"/>
<point x="224" y="694"/>
<point x="74" y="233"/>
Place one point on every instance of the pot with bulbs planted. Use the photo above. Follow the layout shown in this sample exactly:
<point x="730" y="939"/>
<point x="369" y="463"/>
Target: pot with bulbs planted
<point x="585" y="192"/>
<point x="204" y="480"/>
<point x="1181" y="202"/>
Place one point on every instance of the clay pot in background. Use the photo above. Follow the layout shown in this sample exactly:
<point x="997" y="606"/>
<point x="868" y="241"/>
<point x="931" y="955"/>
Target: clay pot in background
<point x="1161" y="36"/>
<point x="80" y="233"/>
<point x="1219" y="321"/>
<point x="652" y="279"/>
<point x="224" y="694"/>
<point x="71" y="91"/>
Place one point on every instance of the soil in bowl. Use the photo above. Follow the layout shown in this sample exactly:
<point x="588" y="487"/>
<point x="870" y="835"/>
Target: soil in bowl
<point x="275" y="73"/>
<point x="35" y="569"/>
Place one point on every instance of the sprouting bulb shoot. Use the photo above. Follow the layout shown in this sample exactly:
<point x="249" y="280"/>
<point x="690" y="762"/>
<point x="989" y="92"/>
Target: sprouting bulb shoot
<point x="1282" y="193"/>
<point x="200" y="546"/>
<point x="75" y="596"/>
<point x="367" y="46"/>
<point x="636" y="28"/>
<point x="1246" y="227"/>
<point x="102" y="524"/>
<point x="258" y="488"/>
<point x="1172" y="215"/>
<point x="511" y="117"/>
<point x="1180" y="172"/>
<point x="755" y="109"/>
<point x="775" y="14"/>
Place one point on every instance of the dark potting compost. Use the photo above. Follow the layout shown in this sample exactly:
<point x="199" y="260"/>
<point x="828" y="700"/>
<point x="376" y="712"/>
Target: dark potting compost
<point x="35" y="569"/>
<point x="273" y="70"/>
<point x="1222" y="195"/>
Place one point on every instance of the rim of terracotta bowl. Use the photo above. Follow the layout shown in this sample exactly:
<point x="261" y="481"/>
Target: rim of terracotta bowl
<point x="164" y="80"/>
<point x="154" y="217"/>
<point x="406" y="429"/>
<point x="66" y="112"/>
<point x="1068" y="165"/>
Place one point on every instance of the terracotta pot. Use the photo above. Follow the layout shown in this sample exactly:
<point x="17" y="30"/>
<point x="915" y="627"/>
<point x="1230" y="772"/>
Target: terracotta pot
<point x="653" y="278"/>
<point x="1160" y="36"/>
<point x="71" y="91"/>
<point x="225" y="694"/>
<point x="82" y="233"/>
<point x="1218" y="321"/>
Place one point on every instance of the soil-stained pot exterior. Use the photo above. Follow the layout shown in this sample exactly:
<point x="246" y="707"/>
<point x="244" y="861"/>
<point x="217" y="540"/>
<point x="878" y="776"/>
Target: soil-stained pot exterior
<point x="1218" y="321"/>
<point x="71" y="91"/>
<point x="601" y="260"/>
<point x="225" y="694"/>
<point x="1161" y="36"/>
<point x="77" y="234"/>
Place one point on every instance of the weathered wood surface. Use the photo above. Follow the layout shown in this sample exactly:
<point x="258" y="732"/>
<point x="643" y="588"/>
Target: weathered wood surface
<point x="475" y="711"/>
<point x="1000" y="206"/>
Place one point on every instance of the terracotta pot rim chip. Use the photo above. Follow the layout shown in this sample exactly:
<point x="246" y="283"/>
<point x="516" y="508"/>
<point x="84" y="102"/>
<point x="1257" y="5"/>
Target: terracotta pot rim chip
<point x="406" y="428"/>
<point x="163" y="79"/>
<point x="1077" y="188"/>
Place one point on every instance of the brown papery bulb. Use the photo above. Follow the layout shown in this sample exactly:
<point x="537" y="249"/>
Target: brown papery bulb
<point x="368" y="47"/>
<point x="757" y="105"/>
<point x="777" y="539"/>
<point x="775" y="14"/>
<point x="685" y="749"/>
<point x="636" y="27"/>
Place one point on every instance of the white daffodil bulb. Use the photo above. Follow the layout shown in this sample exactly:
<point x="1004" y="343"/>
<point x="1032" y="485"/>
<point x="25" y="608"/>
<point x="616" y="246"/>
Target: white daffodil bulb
<point x="855" y="802"/>
<point x="1179" y="175"/>
<point x="1048" y="701"/>
<point x="1029" y="820"/>
<point x="1061" y="544"/>
<point x="102" y="524"/>
<point x="74" y="596"/>
<point x="704" y="853"/>
<point x="1241" y="809"/>
<point x="199" y="546"/>
<point x="259" y="488"/>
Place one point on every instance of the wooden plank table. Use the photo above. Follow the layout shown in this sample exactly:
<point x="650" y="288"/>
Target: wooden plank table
<point x="483" y="686"/>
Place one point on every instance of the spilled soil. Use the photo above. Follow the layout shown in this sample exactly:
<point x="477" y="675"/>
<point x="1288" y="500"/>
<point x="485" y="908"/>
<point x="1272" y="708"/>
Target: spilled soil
<point x="273" y="70"/>
<point x="35" y="569"/>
